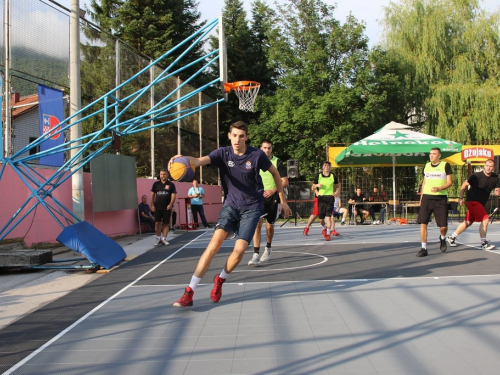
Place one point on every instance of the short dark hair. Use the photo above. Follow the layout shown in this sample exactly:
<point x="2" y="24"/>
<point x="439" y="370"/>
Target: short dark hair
<point x="436" y="149"/>
<point x="266" y="141"/>
<point x="195" y="179"/>
<point x="239" y="125"/>
<point x="493" y="161"/>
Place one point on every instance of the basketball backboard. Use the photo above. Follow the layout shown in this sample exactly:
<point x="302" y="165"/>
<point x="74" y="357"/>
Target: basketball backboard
<point x="222" y="56"/>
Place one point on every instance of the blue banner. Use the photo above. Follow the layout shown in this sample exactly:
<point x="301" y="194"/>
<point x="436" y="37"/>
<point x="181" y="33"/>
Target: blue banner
<point x="51" y="113"/>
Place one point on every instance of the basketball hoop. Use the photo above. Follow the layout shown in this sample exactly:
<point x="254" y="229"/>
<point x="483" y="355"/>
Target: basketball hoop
<point x="246" y="91"/>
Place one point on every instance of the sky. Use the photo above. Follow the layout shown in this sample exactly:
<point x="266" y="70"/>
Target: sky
<point x="369" y="11"/>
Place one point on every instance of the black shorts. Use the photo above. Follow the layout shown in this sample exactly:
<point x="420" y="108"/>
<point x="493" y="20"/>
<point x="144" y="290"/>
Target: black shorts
<point x="437" y="206"/>
<point x="163" y="216"/>
<point x="325" y="206"/>
<point x="271" y="208"/>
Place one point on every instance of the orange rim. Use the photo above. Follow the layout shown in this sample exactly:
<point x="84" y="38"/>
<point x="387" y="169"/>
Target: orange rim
<point x="240" y="85"/>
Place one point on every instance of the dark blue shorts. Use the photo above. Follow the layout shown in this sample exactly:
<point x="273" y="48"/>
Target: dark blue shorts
<point x="242" y="223"/>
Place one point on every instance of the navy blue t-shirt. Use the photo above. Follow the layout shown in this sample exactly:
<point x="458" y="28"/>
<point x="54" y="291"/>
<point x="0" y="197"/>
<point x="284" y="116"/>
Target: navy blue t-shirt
<point x="240" y="176"/>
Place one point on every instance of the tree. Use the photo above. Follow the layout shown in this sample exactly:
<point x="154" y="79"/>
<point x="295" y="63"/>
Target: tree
<point x="151" y="27"/>
<point x="322" y="71"/>
<point x="449" y="52"/>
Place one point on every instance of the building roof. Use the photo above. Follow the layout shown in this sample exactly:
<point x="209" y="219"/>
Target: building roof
<point x="27" y="103"/>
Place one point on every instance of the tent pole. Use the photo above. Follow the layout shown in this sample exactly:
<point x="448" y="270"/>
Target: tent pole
<point x="394" y="185"/>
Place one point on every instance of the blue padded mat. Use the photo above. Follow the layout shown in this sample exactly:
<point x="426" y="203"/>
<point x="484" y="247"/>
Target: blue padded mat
<point x="95" y="245"/>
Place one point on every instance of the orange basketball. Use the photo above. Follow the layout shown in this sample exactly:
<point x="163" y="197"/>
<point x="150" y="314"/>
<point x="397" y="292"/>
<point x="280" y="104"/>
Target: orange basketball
<point x="182" y="169"/>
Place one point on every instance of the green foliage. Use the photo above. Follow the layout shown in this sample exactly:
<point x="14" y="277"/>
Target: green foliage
<point x="322" y="68"/>
<point x="450" y="61"/>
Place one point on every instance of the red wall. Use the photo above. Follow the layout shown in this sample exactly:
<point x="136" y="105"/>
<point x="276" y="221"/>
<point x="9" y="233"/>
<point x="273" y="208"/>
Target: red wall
<point x="40" y="226"/>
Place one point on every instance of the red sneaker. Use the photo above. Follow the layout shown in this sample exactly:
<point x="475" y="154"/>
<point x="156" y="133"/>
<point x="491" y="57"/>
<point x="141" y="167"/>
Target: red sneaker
<point x="327" y="237"/>
<point x="216" y="292"/>
<point x="335" y="233"/>
<point x="306" y="231"/>
<point x="323" y="232"/>
<point x="186" y="300"/>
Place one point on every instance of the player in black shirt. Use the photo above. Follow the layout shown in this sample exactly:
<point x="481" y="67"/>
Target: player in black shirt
<point x="162" y="200"/>
<point x="479" y="186"/>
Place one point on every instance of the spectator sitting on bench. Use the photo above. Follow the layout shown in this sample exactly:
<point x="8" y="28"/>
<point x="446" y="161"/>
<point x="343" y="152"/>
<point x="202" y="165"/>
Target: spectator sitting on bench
<point x="377" y="196"/>
<point x="145" y="214"/>
<point x="356" y="198"/>
<point x="339" y="211"/>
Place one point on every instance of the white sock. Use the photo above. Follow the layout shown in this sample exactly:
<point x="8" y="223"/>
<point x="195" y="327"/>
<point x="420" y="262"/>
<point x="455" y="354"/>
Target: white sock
<point x="442" y="237"/>
<point x="158" y="237"/>
<point x="483" y="239"/>
<point x="424" y="245"/>
<point x="454" y="235"/>
<point x="223" y="274"/>
<point x="328" y="231"/>
<point x="194" y="282"/>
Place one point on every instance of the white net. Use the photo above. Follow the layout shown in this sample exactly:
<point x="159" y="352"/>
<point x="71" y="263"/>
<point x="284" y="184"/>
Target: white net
<point x="247" y="94"/>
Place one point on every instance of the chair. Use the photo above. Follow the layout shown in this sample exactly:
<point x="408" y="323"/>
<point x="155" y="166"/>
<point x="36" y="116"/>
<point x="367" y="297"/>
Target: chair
<point x="391" y="208"/>
<point x="453" y="209"/>
<point x="144" y="226"/>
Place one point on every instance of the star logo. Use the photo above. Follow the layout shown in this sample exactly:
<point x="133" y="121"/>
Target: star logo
<point x="399" y="135"/>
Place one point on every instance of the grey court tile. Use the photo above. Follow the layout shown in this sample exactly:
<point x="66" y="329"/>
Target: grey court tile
<point x="263" y="365"/>
<point x="292" y="330"/>
<point x="227" y="322"/>
<point x="220" y="332"/>
<point x="251" y="313"/>
<point x="81" y="369"/>
<point x="174" y="352"/>
<point x="173" y="366"/>
<point x="267" y="320"/>
<point x="206" y="353"/>
<point x="216" y="342"/>
<point x="183" y="330"/>
<point x="258" y="330"/>
<point x="256" y="351"/>
<point x="298" y="349"/>
<point x="104" y="344"/>
<point x="302" y="365"/>
<point x="208" y="366"/>
<point x="47" y="357"/>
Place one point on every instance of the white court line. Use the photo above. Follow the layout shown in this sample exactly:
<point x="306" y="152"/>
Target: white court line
<point x="48" y="343"/>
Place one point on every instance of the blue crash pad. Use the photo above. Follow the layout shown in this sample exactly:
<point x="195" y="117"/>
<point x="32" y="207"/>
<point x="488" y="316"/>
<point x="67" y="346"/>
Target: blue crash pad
<point x="95" y="245"/>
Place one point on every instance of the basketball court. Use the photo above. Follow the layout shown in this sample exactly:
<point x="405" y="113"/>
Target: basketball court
<point x="361" y="303"/>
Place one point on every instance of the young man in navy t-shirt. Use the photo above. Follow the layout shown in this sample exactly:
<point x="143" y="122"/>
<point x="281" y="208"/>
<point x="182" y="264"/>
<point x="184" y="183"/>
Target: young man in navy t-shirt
<point x="239" y="167"/>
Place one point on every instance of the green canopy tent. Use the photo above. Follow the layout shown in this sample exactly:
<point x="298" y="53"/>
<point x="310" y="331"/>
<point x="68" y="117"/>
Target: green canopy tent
<point x="394" y="144"/>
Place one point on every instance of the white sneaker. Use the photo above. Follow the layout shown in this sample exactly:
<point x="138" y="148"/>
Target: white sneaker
<point x="451" y="241"/>
<point x="487" y="246"/>
<point x="158" y="242"/>
<point x="164" y="241"/>
<point x="266" y="255"/>
<point x="255" y="260"/>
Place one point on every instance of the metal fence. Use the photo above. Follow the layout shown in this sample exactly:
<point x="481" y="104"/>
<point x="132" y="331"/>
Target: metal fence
<point x="408" y="182"/>
<point x="39" y="45"/>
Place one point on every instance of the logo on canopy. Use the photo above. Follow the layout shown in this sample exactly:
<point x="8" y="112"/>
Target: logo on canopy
<point x="477" y="153"/>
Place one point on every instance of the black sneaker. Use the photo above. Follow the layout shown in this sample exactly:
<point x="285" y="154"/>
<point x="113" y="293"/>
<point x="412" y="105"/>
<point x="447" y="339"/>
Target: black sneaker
<point x="422" y="253"/>
<point x="442" y="245"/>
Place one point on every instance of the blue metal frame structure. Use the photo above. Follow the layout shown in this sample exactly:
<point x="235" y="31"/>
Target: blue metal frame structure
<point x="162" y="113"/>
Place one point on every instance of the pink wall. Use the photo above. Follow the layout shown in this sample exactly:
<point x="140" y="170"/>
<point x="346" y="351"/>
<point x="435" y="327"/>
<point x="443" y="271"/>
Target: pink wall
<point x="39" y="225"/>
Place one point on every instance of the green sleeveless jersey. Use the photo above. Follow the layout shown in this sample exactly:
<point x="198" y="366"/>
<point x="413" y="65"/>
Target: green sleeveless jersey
<point x="328" y="184"/>
<point x="435" y="177"/>
<point x="267" y="177"/>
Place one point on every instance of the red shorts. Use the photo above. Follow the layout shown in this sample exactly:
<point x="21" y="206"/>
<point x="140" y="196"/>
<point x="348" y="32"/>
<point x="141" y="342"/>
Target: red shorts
<point x="315" y="209"/>
<point x="475" y="212"/>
